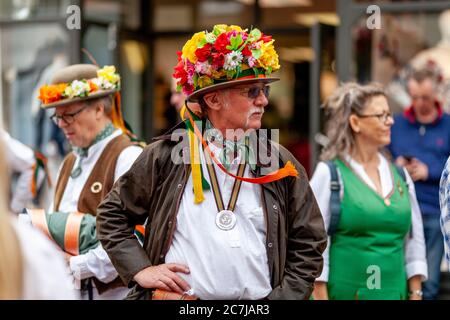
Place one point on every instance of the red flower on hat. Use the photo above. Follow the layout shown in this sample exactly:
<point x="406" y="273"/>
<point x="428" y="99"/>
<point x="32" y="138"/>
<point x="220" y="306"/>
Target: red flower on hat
<point x="204" y="53"/>
<point x="221" y="43"/>
<point x="266" y="38"/>
<point x="218" y="60"/>
<point x="246" y="52"/>
<point x="180" y="73"/>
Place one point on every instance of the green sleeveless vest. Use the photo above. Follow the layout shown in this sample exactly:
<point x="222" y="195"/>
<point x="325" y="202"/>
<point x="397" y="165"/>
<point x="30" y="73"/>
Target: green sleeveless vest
<point x="367" y="252"/>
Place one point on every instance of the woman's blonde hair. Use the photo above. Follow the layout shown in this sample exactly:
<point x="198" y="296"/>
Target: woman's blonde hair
<point x="11" y="272"/>
<point x="350" y="98"/>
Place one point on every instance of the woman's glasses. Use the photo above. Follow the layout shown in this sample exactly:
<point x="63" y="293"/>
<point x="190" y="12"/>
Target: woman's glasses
<point x="382" y="117"/>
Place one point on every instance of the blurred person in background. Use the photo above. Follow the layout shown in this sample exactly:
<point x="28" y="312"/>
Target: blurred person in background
<point x="376" y="248"/>
<point x="421" y="143"/>
<point x="31" y="267"/>
<point x="29" y="169"/>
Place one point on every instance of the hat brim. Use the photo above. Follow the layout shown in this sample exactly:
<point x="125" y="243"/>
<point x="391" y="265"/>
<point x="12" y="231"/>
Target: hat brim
<point x="194" y="97"/>
<point x="65" y="102"/>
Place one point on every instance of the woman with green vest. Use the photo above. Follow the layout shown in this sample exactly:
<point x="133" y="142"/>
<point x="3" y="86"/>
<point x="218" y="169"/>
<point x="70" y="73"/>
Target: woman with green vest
<point x="376" y="245"/>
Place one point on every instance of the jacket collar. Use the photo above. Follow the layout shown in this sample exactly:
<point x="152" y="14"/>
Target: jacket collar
<point x="410" y="114"/>
<point x="262" y="137"/>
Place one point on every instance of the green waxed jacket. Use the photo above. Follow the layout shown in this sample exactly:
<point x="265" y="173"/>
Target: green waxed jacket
<point x="152" y="189"/>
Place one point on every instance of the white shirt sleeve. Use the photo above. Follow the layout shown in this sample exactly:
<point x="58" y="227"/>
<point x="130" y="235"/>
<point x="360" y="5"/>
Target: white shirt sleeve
<point x="415" y="257"/>
<point x="21" y="160"/>
<point x="320" y="185"/>
<point x="45" y="272"/>
<point x="96" y="263"/>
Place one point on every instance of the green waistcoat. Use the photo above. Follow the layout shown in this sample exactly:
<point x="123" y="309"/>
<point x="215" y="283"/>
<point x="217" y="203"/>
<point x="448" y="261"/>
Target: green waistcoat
<point x="367" y="251"/>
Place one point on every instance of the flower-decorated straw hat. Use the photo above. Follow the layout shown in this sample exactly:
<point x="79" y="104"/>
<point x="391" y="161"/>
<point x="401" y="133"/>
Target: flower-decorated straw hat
<point x="79" y="82"/>
<point x="225" y="57"/>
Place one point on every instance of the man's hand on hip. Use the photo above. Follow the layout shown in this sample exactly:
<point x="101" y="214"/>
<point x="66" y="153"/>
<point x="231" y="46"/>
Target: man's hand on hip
<point x="163" y="277"/>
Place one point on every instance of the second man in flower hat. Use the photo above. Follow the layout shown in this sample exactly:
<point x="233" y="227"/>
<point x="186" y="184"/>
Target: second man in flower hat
<point x="86" y="101"/>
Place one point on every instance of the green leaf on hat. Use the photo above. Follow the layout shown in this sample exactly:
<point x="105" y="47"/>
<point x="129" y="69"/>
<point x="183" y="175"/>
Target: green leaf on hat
<point x="230" y="74"/>
<point x="235" y="42"/>
<point x="255" y="34"/>
<point x="210" y="38"/>
<point x="218" y="30"/>
<point x="268" y="71"/>
<point x="256" y="53"/>
<point x="195" y="79"/>
<point x="201" y="43"/>
<point x="256" y="71"/>
<point x="238" y="71"/>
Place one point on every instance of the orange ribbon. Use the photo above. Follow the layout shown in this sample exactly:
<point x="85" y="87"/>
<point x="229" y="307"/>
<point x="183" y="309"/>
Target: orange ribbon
<point x="287" y="170"/>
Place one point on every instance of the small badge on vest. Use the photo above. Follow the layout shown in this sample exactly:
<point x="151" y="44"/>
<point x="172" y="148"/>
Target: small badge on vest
<point x="96" y="187"/>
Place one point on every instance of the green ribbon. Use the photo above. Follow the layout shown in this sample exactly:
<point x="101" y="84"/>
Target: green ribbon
<point x="83" y="152"/>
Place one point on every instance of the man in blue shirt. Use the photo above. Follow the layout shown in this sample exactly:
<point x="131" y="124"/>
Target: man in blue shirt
<point x="421" y="143"/>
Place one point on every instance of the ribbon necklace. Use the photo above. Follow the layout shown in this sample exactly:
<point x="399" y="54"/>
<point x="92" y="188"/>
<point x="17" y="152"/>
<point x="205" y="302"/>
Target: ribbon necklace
<point x="83" y="152"/>
<point x="225" y="219"/>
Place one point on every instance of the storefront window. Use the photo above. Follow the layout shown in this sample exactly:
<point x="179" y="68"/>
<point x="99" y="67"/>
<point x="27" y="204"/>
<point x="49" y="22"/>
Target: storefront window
<point x="28" y="9"/>
<point x="29" y="56"/>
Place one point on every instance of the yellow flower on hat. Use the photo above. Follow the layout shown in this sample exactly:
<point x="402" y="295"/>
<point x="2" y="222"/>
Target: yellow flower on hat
<point x="192" y="45"/>
<point x="204" y="81"/>
<point x="109" y="74"/>
<point x="269" y="57"/>
<point x="222" y="28"/>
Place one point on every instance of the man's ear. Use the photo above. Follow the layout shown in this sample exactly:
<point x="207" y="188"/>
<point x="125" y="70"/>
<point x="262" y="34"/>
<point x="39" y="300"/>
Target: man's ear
<point x="99" y="110"/>
<point x="213" y="100"/>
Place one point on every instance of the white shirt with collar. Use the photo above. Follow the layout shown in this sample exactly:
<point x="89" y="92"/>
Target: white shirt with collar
<point x="223" y="264"/>
<point x="415" y="258"/>
<point x="95" y="262"/>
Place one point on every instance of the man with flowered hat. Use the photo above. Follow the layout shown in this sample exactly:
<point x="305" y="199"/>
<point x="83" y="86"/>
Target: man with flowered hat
<point x="86" y="101"/>
<point x="222" y="225"/>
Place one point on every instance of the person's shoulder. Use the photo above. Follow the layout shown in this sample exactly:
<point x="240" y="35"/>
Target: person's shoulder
<point x="446" y="118"/>
<point x="34" y="242"/>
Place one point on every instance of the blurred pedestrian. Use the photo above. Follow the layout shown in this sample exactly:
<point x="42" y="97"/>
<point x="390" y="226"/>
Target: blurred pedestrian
<point x="31" y="267"/>
<point x="268" y="240"/>
<point x="376" y="248"/>
<point x="23" y="162"/>
<point x="421" y="143"/>
<point x="87" y="108"/>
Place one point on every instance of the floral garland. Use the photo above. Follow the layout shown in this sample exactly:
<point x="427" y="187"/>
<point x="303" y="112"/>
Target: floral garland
<point x="107" y="79"/>
<point x="225" y="53"/>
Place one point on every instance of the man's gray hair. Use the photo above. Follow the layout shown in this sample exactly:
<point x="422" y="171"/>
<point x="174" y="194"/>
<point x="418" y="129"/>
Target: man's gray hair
<point x="107" y="103"/>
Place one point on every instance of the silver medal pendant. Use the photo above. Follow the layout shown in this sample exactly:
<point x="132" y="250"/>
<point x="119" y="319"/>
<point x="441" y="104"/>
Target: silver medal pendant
<point x="225" y="220"/>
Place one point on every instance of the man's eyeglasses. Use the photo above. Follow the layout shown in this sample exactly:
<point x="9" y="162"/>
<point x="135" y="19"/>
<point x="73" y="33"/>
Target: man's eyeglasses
<point x="382" y="117"/>
<point x="68" y="118"/>
<point x="253" y="92"/>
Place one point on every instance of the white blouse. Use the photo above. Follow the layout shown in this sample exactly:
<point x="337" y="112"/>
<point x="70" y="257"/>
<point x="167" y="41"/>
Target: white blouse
<point x="414" y="247"/>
